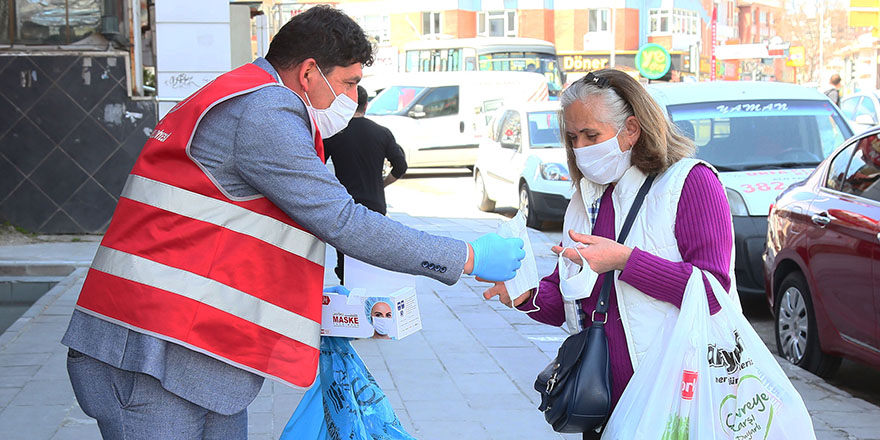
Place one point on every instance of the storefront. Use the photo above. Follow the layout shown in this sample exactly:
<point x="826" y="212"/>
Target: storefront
<point x="74" y="115"/>
<point x="576" y="65"/>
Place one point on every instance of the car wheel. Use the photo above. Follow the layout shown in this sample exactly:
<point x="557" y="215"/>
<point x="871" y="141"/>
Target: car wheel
<point x="483" y="201"/>
<point x="525" y="206"/>
<point x="797" y="336"/>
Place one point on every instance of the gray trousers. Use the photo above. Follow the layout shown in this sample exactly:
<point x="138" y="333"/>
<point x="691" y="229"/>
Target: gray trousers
<point x="134" y="406"/>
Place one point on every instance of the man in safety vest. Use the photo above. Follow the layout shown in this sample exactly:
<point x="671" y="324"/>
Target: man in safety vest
<point x="209" y="277"/>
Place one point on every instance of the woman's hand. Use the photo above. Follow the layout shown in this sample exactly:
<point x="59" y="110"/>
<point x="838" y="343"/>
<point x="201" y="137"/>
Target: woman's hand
<point x="500" y="290"/>
<point x="602" y="254"/>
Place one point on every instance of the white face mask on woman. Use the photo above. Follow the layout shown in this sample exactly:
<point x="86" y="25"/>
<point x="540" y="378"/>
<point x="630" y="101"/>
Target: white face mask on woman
<point x="333" y="119"/>
<point x="603" y="163"/>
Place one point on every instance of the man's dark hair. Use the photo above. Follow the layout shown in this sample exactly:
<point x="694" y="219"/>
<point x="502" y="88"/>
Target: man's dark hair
<point x="835" y="79"/>
<point x="323" y="33"/>
<point x="362" y="99"/>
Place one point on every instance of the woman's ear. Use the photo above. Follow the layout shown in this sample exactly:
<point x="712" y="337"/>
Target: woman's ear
<point x="633" y="130"/>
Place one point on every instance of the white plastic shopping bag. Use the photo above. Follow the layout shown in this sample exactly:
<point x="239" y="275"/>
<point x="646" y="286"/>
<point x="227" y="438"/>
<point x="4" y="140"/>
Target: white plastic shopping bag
<point x="709" y="377"/>
<point x="527" y="275"/>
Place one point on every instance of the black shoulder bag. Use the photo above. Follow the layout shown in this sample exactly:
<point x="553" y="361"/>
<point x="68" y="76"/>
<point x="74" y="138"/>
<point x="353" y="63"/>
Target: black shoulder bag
<point x="576" y="386"/>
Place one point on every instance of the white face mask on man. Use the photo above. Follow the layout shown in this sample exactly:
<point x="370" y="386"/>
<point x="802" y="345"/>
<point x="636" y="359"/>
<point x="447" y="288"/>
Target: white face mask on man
<point x="603" y="163"/>
<point x="333" y="119"/>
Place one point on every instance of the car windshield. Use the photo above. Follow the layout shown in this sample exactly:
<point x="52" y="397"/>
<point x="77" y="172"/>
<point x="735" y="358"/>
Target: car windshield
<point x="544" y="129"/>
<point x="761" y="134"/>
<point x="394" y="100"/>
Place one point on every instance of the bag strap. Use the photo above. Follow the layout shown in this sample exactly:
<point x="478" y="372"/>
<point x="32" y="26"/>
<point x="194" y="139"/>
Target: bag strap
<point x="602" y="306"/>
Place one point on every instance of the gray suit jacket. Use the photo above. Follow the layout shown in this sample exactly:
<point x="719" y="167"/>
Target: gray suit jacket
<point x="257" y="144"/>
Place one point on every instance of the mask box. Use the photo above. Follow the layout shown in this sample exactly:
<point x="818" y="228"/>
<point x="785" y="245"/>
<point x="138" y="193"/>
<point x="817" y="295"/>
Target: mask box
<point x="363" y="314"/>
<point x="374" y="279"/>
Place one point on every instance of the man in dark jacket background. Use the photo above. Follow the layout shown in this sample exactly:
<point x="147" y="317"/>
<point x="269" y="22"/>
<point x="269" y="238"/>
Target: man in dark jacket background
<point x="833" y="92"/>
<point x="359" y="153"/>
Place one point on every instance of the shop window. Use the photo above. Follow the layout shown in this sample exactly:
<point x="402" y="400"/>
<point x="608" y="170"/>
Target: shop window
<point x="598" y="20"/>
<point x="377" y="27"/>
<point x="431" y="23"/>
<point x="496" y="23"/>
<point x="50" y="22"/>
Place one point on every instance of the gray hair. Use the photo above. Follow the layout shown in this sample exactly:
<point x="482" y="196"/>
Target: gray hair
<point x="618" y="109"/>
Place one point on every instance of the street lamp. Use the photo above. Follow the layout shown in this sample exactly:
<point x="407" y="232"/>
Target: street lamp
<point x="821" y="12"/>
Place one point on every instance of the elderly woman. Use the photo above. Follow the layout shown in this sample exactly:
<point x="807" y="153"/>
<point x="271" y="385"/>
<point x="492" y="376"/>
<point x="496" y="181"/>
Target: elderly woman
<point x="615" y="136"/>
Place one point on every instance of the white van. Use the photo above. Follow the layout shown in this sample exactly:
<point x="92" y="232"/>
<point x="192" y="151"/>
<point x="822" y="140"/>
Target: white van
<point x="439" y="118"/>
<point x="761" y="137"/>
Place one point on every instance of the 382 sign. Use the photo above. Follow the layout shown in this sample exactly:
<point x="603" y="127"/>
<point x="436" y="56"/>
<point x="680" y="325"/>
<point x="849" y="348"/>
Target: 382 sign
<point x="769" y="186"/>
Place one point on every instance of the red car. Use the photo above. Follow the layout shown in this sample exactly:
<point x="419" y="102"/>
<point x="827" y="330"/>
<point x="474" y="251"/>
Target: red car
<point x="822" y="262"/>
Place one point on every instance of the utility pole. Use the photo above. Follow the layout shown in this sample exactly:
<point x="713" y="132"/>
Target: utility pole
<point x="611" y="60"/>
<point x="714" y="40"/>
<point x="821" y="11"/>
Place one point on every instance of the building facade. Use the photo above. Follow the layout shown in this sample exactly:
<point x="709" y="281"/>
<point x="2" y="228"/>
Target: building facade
<point x="73" y="110"/>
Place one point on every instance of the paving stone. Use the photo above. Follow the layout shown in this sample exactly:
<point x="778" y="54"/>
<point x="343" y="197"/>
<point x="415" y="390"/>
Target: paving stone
<point x="44" y="392"/>
<point x="840" y="419"/>
<point x="517" y="424"/>
<point x="18" y="375"/>
<point x="36" y="359"/>
<point x="261" y="404"/>
<point x="436" y="410"/>
<point x="483" y="319"/>
<point x="260" y="423"/>
<point x="7" y="394"/>
<point x="492" y="337"/>
<point x="33" y="422"/>
<point x="488" y="383"/>
<point x="468" y="363"/>
<point x="444" y="430"/>
<point x="871" y="433"/>
<point x="427" y="388"/>
<point x="78" y="432"/>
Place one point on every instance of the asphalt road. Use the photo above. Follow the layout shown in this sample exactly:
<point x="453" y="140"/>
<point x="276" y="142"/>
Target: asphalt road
<point x="434" y="192"/>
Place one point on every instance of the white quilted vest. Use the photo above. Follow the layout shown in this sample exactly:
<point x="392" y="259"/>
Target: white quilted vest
<point x="652" y="231"/>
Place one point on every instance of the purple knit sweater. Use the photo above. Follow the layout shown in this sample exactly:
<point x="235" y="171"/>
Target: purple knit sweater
<point x="703" y="230"/>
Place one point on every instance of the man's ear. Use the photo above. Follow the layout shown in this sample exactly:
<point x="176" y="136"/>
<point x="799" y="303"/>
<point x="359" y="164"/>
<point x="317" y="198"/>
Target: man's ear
<point x="298" y="75"/>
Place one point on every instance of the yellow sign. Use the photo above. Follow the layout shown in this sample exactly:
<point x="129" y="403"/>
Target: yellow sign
<point x="577" y="63"/>
<point x="795" y="56"/>
<point x="864" y="13"/>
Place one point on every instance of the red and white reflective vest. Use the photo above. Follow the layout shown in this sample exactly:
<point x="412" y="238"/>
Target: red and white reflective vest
<point x="238" y="280"/>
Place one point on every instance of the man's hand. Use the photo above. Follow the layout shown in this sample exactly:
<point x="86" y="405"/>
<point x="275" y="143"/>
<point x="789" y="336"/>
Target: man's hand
<point x="602" y="254"/>
<point x="495" y="258"/>
<point x="342" y="290"/>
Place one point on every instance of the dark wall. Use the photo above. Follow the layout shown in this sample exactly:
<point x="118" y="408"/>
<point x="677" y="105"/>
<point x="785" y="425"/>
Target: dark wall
<point x="69" y="135"/>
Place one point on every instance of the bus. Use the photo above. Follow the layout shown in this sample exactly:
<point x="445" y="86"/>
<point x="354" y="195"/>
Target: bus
<point x="485" y="54"/>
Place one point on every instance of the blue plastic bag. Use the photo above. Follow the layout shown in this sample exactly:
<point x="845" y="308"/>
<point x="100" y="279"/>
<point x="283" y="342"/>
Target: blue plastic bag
<point x="345" y="402"/>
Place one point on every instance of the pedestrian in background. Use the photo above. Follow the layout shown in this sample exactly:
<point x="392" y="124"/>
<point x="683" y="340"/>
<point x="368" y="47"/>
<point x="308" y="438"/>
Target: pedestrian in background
<point x="615" y="136"/>
<point x="833" y="92"/>
<point x="358" y="153"/>
<point x="210" y="274"/>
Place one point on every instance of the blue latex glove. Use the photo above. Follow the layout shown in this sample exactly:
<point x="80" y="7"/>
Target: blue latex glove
<point x="337" y="289"/>
<point x="497" y="258"/>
